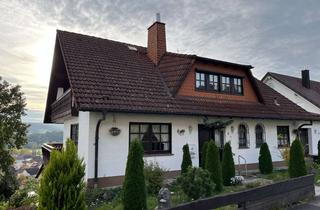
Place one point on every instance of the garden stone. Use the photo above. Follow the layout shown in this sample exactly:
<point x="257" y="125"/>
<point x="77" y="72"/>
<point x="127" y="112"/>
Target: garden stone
<point x="164" y="198"/>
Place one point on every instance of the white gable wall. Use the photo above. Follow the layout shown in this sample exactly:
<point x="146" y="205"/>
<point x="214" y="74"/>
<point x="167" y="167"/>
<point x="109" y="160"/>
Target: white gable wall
<point x="113" y="150"/>
<point x="314" y="132"/>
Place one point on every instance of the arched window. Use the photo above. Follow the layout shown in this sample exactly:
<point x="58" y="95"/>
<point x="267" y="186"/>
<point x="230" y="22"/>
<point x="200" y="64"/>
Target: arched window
<point x="259" y="135"/>
<point x="243" y="136"/>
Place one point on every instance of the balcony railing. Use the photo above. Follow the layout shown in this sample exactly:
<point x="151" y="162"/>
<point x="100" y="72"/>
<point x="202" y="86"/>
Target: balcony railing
<point x="46" y="152"/>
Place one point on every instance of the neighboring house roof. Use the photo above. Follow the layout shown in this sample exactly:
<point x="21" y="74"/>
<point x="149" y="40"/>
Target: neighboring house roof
<point x="106" y="75"/>
<point x="312" y="94"/>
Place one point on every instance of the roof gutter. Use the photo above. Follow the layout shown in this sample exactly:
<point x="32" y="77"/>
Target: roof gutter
<point x="96" y="149"/>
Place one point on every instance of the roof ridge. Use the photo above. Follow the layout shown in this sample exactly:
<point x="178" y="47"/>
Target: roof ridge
<point x="275" y="73"/>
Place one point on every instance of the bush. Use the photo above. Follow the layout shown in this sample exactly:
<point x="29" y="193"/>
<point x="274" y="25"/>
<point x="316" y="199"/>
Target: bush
<point x="204" y="154"/>
<point x="154" y="177"/>
<point x="134" y="188"/>
<point x="236" y="180"/>
<point x="297" y="165"/>
<point x="265" y="161"/>
<point x="61" y="184"/>
<point x="25" y="196"/>
<point x="228" y="170"/>
<point x="285" y="154"/>
<point x="186" y="159"/>
<point x="213" y="165"/>
<point x="196" y="183"/>
<point x="97" y="196"/>
<point x="8" y="184"/>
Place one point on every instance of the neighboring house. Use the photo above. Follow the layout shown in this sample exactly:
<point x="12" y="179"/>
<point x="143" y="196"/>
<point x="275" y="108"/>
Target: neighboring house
<point x="306" y="94"/>
<point x="108" y="93"/>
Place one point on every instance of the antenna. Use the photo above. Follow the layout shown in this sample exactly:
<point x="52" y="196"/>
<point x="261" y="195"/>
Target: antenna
<point x="158" y="17"/>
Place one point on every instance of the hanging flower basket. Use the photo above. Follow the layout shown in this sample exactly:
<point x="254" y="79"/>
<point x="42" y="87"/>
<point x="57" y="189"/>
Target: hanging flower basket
<point x="114" y="131"/>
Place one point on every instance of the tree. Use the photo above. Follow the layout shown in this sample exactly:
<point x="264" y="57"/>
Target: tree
<point x="297" y="165"/>
<point x="134" y="187"/>
<point x="12" y="130"/>
<point x="228" y="170"/>
<point x="213" y="165"/>
<point x="186" y="159"/>
<point x="204" y="154"/>
<point x="265" y="160"/>
<point x="62" y="185"/>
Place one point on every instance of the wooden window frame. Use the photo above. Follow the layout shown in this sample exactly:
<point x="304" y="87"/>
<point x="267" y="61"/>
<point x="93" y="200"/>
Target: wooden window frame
<point x="287" y="132"/>
<point x="207" y="88"/>
<point x="258" y="144"/>
<point x="246" y="145"/>
<point x="72" y="126"/>
<point x="153" y="152"/>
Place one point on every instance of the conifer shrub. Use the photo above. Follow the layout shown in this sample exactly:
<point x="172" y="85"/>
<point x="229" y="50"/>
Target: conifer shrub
<point x="134" y="187"/>
<point x="196" y="183"/>
<point x="297" y="165"/>
<point x="61" y="184"/>
<point x="154" y="177"/>
<point x="204" y="154"/>
<point x="265" y="160"/>
<point x="186" y="159"/>
<point x="228" y="170"/>
<point x="213" y="165"/>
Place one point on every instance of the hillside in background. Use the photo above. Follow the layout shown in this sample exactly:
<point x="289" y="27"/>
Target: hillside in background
<point x="43" y="128"/>
<point x="39" y="133"/>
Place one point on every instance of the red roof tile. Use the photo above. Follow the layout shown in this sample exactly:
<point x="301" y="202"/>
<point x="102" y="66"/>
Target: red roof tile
<point x="107" y="75"/>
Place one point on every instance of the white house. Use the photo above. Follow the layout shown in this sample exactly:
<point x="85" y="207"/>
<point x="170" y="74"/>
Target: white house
<point x="107" y="93"/>
<point x="306" y="94"/>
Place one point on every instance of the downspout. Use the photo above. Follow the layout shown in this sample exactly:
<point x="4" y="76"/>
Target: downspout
<point x="96" y="149"/>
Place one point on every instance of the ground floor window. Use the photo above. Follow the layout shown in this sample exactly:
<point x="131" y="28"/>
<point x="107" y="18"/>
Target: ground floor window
<point x="283" y="136"/>
<point x="155" y="137"/>
<point x="243" y="136"/>
<point x="259" y="135"/>
<point x="74" y="132"/>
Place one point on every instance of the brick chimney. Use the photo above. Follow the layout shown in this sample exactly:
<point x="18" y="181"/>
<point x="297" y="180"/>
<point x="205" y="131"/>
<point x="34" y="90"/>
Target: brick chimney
<point x="156" y="40"/>
<point x="305" y="78"/>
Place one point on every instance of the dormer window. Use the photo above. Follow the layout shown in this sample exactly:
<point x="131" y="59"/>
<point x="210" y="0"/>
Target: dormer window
<point x="219" y="83"/>
<point x="200" y="81"/>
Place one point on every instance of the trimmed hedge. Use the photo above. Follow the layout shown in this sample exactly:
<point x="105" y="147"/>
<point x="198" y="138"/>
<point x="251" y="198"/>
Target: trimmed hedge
<point x="265" y="160"/>
<point x="228" y="169"/>
<point x="62" y="185"/>
<point x="204" y="154"/>
<point x="186" y="159"/>
<point x="134" y="187"/>
<point x="213" y="165"/>
<point x="297" y="165"/>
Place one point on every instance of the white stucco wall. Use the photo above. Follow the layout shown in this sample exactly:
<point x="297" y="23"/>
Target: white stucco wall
<point x="314" y="134"/>
<point x="113" y="150"/>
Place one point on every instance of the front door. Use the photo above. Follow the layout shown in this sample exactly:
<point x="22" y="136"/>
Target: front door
<point x="205" y="134"/>
<point x="304" y="138"/>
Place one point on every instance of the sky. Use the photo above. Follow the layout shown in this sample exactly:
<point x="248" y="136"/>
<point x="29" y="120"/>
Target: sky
<point x="276" y="35"/>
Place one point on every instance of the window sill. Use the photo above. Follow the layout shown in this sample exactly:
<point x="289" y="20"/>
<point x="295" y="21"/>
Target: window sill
<point x="160" y="154"/>
<point x="244" y="147"/>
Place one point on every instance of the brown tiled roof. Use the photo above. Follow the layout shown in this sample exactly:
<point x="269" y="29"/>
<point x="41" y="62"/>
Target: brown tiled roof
<point x="312" y="94"/>
<point x="108" y="76"/>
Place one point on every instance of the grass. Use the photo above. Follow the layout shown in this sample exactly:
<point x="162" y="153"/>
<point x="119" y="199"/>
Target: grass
<point x="278" y="175"/>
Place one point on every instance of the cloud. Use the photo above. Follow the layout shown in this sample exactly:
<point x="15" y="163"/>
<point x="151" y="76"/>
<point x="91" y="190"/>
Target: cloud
<point x="281" y="36"/>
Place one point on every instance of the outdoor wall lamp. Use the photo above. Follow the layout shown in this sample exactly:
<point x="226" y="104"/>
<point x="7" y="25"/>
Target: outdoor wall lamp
<point x="181" y="132"/>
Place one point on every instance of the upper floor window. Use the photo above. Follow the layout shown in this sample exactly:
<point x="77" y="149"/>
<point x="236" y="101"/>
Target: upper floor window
<point x="200" y="80"/>
<point x="225" y="84"/>
<point x="243" y="132"/>
<point x="213" y="82"/>
<point x="74" y="132"/>
<point x="155" y="137"/>
<point x="220" y="83"/>
<point x="259" y="135"/>
<point x="283" y="136"/>
<point x="237" y="85"/>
